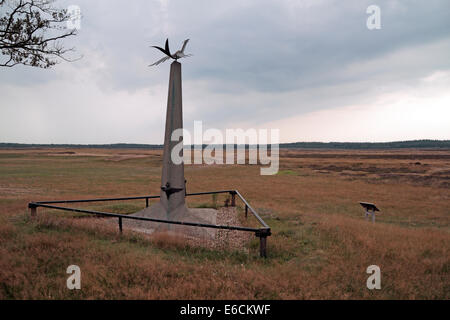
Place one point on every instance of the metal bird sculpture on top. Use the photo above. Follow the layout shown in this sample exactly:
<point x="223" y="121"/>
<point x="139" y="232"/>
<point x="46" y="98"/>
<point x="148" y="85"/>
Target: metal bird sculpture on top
<point x="177" y="55"/>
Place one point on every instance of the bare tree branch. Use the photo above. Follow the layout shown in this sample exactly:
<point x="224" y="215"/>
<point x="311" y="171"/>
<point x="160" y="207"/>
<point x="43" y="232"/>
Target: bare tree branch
<point x="30" y="33"/>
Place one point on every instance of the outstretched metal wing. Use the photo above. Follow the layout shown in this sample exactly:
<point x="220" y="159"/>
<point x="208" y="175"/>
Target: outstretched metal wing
<point x="161" y="49"/>
<point x="160" y="61"/>
<point x="166" y="50"/>
<point x="184" y="45"/>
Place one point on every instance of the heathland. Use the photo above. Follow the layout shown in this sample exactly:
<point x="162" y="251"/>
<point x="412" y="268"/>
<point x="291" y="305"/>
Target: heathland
<point x="320" y="248"/>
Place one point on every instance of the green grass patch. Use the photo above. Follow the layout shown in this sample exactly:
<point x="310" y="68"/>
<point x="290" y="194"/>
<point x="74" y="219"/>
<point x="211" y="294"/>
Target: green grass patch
<point x="286" y="173"/>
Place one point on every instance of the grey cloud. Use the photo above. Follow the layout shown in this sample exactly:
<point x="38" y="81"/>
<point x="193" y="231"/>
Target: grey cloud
<point x="255" y="60"/>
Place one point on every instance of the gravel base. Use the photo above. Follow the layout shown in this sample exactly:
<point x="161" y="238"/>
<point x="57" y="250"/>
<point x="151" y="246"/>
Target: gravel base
<point x="231" y="239"/>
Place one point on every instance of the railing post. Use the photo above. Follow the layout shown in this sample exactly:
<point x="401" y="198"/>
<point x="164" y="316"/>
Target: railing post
<point x="146" y="202"/>
<point x="120" y="224"/>
<point x="233" y="199"/>
<point x="246" y="211"/>
<point x="33" y="211"/>
<point x="263" y="234"/>
<point x="263" y="246"/>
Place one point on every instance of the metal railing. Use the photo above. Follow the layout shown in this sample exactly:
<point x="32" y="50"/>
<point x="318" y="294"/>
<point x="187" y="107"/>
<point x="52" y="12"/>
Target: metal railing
<point x="262" y="233"/>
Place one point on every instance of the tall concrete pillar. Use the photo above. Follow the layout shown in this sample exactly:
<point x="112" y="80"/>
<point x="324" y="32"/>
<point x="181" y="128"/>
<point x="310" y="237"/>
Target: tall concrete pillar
<point x="172" y="180"/>
<point x="172" y="204"/>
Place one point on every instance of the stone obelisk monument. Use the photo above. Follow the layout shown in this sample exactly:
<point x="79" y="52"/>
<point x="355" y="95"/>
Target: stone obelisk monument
<point x="173" y="186"/>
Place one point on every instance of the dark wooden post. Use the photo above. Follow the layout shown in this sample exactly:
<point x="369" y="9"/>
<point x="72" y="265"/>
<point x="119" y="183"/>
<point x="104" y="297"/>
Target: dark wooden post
<point x="263" y="246"/>
<point x="246" y="211"/>
<point x="233" y="199"/>
<point x="263" y="234"/>
<point x="33" y="210"/>
<point x="146" y="202"/>
<point x="120" y="224"/>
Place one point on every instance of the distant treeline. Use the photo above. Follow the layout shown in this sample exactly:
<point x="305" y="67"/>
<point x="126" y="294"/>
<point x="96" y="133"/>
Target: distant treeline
<point x="93" y="146"/>
<point x="419" y="144"/>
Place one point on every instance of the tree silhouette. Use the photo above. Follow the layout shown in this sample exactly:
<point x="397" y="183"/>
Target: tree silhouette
<point x="31" y="32"/>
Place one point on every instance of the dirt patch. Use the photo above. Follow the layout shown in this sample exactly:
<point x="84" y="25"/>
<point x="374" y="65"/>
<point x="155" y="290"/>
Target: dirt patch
<point x="15" y="191"/>
<point x="357" y="155"/>
<point x="127" y="157"/>
<point x="434" y="174"/>
<point x="108" y="157"/>
<point x="75" y="154"/>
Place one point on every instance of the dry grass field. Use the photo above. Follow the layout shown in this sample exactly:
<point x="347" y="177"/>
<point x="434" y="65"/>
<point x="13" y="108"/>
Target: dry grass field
<point x="320" y="247"/>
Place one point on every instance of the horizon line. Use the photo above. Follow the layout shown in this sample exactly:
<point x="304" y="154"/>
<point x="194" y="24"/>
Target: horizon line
<point x="281" y="143"/>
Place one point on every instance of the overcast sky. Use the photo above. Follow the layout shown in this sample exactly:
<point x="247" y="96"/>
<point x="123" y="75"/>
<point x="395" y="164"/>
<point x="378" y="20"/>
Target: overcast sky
<point x="310" y="68"/>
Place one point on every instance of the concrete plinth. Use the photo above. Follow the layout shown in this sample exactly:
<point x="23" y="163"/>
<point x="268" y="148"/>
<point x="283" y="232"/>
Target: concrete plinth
<point x="196" y="215"/>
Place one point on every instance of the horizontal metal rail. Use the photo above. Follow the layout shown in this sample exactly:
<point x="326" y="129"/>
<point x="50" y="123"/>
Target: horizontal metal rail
<point x="209" y="192"/>
<point x="128" y="198"/>
<point x="262" y="233"/>
<point x="124" y="216"/>
<point x="156" y="197"/>
<point x="99" y="200"/>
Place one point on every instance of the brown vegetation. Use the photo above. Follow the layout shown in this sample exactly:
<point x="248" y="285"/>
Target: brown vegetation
<point x="320" y="247"/>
